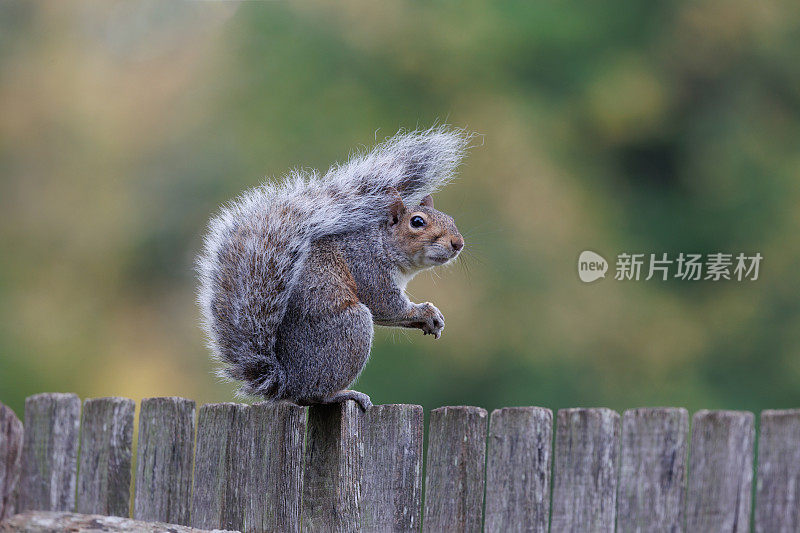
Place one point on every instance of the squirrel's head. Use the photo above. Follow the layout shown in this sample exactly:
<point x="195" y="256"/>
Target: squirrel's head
<point x="422" y="236"/>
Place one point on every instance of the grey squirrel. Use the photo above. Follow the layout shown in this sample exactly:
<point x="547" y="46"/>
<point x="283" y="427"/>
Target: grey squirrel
<point x="293" y="275"/>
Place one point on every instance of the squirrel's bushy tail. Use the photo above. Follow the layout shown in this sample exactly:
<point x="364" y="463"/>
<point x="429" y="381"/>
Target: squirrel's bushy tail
<point x="256" y="246"/>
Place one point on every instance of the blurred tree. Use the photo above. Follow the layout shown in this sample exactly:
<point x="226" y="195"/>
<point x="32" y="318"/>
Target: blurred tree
<point x="620" y="127"/>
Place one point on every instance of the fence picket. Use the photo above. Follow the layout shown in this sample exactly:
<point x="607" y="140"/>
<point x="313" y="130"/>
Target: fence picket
<point x="276" y="436"/>
<point x="104" y="473"/>
<point x="454" y="481"/>
<point x="164" y="460"/>
<point x="652" y="479"/>
<point x="518" y="469"/>
<point x="333" y="467"/>
<point x="391" y="483"/>
<point x="212" y="480"/>
<point x="49" y="453"/>
<point x="720" y="471"/>
<point x="585" y="470"/>
<point x="778" y="485"/>
<point x="10" y="458"/>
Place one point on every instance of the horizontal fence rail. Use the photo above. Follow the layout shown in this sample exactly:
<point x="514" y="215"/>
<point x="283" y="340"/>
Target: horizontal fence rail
<point x="282" y="467"/>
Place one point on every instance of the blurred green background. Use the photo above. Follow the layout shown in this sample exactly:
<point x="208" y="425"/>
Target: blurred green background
<point x="612" y="126"/>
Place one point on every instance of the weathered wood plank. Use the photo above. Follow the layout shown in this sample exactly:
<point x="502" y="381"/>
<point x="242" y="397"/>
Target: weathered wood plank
<point x="164" y="460"/>
<point x="363" y="470"/>
<point x="454" y="480"/>
<point x="10" y="458"/>
<point x="585" y="470"/>
<point x="104" y="473"/>
<point x="778" y="485"/>
<point x="277" y="438"/>
<point x="391" y="483"/>
<point x="518" y="469"/>
<point x="49" y="453"/>
<point x="333" y="467"/>
<point x="214" y="483"/>
<point x="652" y="479"/>
<point x="51" y="522"/>
<point x="720" y="471"/>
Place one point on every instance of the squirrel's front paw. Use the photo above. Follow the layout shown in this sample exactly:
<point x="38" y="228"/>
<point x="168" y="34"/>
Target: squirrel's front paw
<point x="432" y="320"/>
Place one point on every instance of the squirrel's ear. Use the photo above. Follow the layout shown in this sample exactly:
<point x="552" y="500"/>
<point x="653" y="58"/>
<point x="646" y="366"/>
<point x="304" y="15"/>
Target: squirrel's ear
<point x="427" y="201"/>
<point x="397" y="209"/>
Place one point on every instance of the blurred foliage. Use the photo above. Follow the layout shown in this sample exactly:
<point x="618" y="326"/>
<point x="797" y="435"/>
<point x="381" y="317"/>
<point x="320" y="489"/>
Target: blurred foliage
<point x="618" y="127"/>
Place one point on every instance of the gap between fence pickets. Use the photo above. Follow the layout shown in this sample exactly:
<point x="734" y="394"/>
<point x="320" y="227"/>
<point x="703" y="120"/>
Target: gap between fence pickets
<point x="281" y="467"/>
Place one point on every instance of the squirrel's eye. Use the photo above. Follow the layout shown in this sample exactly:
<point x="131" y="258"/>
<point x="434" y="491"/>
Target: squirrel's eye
<point x="417" y="222"/>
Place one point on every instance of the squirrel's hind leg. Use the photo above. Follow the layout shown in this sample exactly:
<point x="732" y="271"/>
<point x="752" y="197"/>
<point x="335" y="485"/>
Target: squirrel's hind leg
<point x="326" y="335"/>
<point x="347" y="394"/>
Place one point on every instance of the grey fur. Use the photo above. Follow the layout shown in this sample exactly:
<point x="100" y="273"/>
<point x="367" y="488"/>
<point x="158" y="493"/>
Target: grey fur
<point x="277" y="306"/>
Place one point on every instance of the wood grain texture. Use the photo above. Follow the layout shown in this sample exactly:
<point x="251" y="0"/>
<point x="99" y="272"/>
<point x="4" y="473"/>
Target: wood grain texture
<point x="778" y="484"/>
<point x="248" y="467"/>
<point x="518" y="469"/>
<point x="164" y="460"/>
<point x="49" y="453"/>
<point x="52" y="522"/>
<point x="363" y="470"/>
<point x="391" y="482"/>
<point x="104" y="472"/>
<point x="720" y="471"/>
<point x="585" y="470"/>
<point x="333" y="468"/>
<point x="11" y="433"/>
<point x="454" y="481"/>
<point x="215" y="484"/>
<point x="274" y="467"/>
<point x="652" y="479"/>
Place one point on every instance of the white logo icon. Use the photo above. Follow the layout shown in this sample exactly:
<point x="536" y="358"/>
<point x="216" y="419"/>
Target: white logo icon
<point x="591" y="266"/>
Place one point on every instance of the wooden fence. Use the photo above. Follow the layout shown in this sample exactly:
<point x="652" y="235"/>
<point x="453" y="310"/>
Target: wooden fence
<point x="334" y="468"/>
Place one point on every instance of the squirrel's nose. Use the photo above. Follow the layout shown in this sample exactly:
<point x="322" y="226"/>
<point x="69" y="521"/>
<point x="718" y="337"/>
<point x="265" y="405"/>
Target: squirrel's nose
<point x="457" y="242"/>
